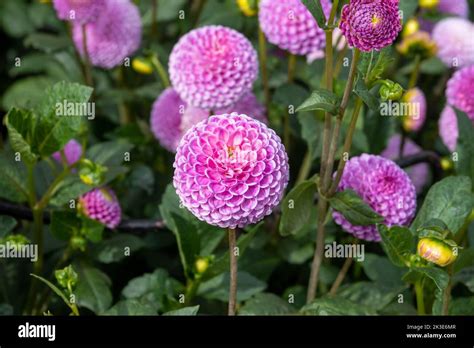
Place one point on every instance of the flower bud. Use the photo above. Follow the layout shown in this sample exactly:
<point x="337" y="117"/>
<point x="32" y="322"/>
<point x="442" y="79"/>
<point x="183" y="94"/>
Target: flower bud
<point x="390" y="90"/>
<point x="248" y="7"/>
<point x="411" y="27"/>
<point x="78" y="243"/>
<point x="429" y="4"/>
<point x="142" y="66"/>
<point x="91" y="173"/>
<point x="446" y="163"/>
<point x="201" y="265"/>
<point x="66" y="277"/>
<point x="436" y="251"/>
<point x="15" y="240"/>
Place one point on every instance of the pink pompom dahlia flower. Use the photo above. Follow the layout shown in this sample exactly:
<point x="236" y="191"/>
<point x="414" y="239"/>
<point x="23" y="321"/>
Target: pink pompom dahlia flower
<point x="417" y="116"/>
<point x="453" y="37"/>
<point x="448" y="128"/>
<point x="101" y="204"/>
<point x="114" y="36"/>
<point x="213" y="67"/>
<point x="418" y="173"/>
<point x="230" y="170"/>
<point x="460" y="90"/>
<point x="72" y="152"/>
<point x="171" y="117"/>
<point x="384" y="186"/>
<point x="370" y="24"/>
<point x="80" y="11"/>
<point x="289" y="25"/>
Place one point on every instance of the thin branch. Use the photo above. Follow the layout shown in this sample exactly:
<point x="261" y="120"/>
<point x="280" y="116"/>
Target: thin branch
<point x="24" y="213"/>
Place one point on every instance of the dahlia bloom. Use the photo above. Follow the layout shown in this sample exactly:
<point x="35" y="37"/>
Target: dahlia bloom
<point x="247" y="105"/>
<point x="448" y="128"/>
<point x="384" y="186"/>
<point x="453" y="36"/>
<point x="101" y="204"/>
<point x="460" y="90"/>
<point x="171" y="117"/>
<point x="115" y="35"/>
<point x="230" y="170"/>
<point x="458" y="8"/>
<point x="416" y="119"/>
<point x="79" y="11"/>
<point x="213" y="67"/>
<point x="418" y="173"/>
<point x="370" y="24"/>
<point x="289" y="25"/>
<point x="72" y="152"/>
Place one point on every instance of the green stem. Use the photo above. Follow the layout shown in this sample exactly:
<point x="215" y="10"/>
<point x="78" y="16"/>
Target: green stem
<point x="447" y="291"/>
<point x="420" y="304"/>
<point x="340" y="116"/>
<point x="160" y="70"/>
<point x="52" y="188"/>
<point x="233" y="272"/>
<point x="154" y="10"/>
<point x="305" y="168"/>
<point x="286" y="119"/>
<point x="415" y="73"/>
<point x="262" y="49"/>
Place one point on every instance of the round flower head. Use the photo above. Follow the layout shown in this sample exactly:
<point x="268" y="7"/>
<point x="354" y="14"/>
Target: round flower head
<point x="417" y="114"/>
<point x="72" y="152"/>
<point x="448" y="128"/>
<point x="213" y="67"/>
<point x="171" y="117"/>
<point x="453" y="36"/>
<point x="230" y="170"/>
<point x="247" y="105"/>
<point x="370" y="24"/>
<point x="115" y="35"/>
<point x="384" y="186"/>
<point x="101" y="205"/>
<point x="80" y="11"/>
<point x="460" y="90"/>
<point x="418" y="173"/>
<point x="289" y="25"/>
<point x="458" y="7"/>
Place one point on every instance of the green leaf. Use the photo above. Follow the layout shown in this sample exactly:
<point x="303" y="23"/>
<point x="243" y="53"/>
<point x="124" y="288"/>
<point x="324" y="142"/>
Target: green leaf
<point x="449" y="200"/>
<point x="7" y="224"/>
<point x="465" y="276"/>
<point x="465" y="259"/>
<point x="335" y="306"/>
<point x="321" y="99"/>
<point x="53" y="287"/>
<point x="221" y="264"/>
<point x="408" y="8"/>
<point x="314" y="6"/>
<point x="93" y="289"/>
<point x="266" y="304"/>
<point x="311" y="130"/>
<point x="53" y="131"/>
<point x="371" y="295"/>
<point x="156" y="288"/>
<point x="113" y="249"/>
<point x="70" y="189"/>
<point x="367" y="97"/>
<point x="296" y="208"/>
<point x="20" y="124"/>
<point x="188" y="242"/>
<point x="217" y="288"/>
<point x="398" y="242"/>
<point x="380" y="270"/>
<point x="465" y="146"/>
<point x="109" y="153"/>
<point x="462" y="306"/>
<point x="64" y="224"/>
<point x="131" y="307"/>
<point x="183" y="311"/>
<point x="354" y="209"/>
<point x="27" y="92"/>
<point x="384" y="58"/>
<point x="48" y="43"/>
<point x="92" y="229"/>
<point x="289" y="94"/>
<point x="12" y="180"/>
